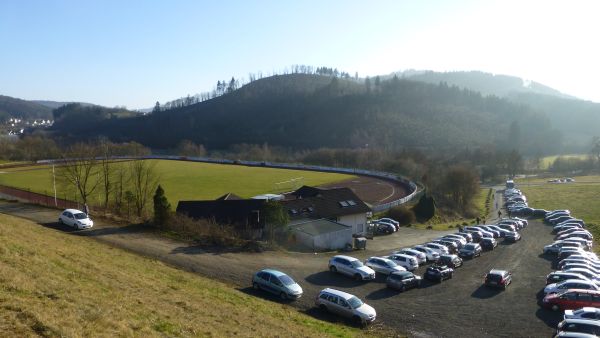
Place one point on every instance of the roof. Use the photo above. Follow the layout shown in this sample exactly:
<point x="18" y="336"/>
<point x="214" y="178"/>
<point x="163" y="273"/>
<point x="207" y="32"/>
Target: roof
<point x="319" y="227"/>
<point x="324" y="203"/>
<point x="73" y="211"/>
<point x="277" y="273"/>
<point x="339" y="293"/>
<point x="228" y="197"/>
<point x="225" y="211"/>
<point x="497" y="272"/>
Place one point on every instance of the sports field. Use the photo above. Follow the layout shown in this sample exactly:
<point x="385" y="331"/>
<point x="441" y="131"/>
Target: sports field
<point x="547" y="161"/>
<point x="184" y="180"/>
<point x="583" y="199"/>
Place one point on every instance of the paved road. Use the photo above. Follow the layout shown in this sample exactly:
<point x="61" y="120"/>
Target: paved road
<point x="458" y="307"/>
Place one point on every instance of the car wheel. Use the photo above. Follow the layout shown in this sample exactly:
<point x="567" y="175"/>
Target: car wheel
<point x="555" y="307"/>
<point x="255" y="286"/>
<point x="357" y="320"/>
<point x="283" y="296"/>
<point x="323" y="308"/>
<point x="357" y="277"/>
<point x="60" y="221"/>
<point x="450" y="277"/>
<point x="332" y="269"/>
<point x="402" y="288"/>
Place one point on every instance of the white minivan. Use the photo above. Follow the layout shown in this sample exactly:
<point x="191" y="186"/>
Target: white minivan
<point x="345" y="305"/>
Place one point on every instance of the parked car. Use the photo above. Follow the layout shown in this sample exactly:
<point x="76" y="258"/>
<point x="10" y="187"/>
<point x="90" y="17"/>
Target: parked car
<point x="571" y="284"/>
<point x="562" y="227"/>
<point x="392" y="221"/>
<point x="345" y="305"/>
<point x="569" y="265"/>
<point x="407" y="262"/>
<point x="583" y="313"/>
<point x="76" y="219"/>
<point x="276" y="282"/>
<point x="498" y="229"/>
<point x="476" y="234"/>
<point x="403" y="280"/>
<point x="470" y="250"/>
<point x="351" y="266"/>
<point x="572" y="299"/>
<point x="585" y="243"/>
<point x="559" y="219"/>
<point x="431" y="254"/>
<point x="467" y="236"/>
<point x="591" y="275"/>
<point x="570" y="231"/>
<point x="420" y="256"/>
<point x="488" y="243"/>
<point x="584" y="326"/>
<point x="498" y="278"/>
<point x="539" y="213"/>
<point x="452" y="261"/>
<point x="384" y="228"/>
<point x="439" y="248"/>
<point x="572" y="221"/>
<point x="512" y="236"/>
<point x="578" y="234"/>
<point x="384" y="265"/>
<point x="494" y="232"/>
<point x="556" y="246"/>
<point x="571" y="260"/>
<point x="438" y="273"/>
<point x="461" y="239"/>
<point x="568" y="251"/>
<point x="451" y="246"/>
<point x="560" y="276"/>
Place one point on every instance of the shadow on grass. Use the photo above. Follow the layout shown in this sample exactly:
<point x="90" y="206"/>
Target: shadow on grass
<point x="484" y="292"/>
<point x="265" y="295"/>
<point x="328" y="278"/>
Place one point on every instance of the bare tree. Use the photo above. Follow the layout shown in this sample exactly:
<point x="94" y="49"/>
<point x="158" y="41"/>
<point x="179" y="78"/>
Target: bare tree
<point x="144" y="180"/>
<point x="106" y="169"/>
<point x="79" y="170"/>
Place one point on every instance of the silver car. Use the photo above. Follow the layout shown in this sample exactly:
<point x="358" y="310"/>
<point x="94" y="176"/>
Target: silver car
<point x="383" y="265"/>
<point x="276" y="282"/>
<point x="351" y="266"/>
<point x="345" y="305"/>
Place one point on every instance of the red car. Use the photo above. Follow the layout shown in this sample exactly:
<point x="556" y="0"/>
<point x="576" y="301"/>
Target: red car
<point x="572" y="299"/>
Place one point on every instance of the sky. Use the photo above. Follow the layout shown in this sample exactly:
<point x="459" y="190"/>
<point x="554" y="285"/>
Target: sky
<point x="133" y="53"/>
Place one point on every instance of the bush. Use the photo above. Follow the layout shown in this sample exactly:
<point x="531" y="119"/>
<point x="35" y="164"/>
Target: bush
<point x="402" y="214"/>
<point x="425" y="208"/>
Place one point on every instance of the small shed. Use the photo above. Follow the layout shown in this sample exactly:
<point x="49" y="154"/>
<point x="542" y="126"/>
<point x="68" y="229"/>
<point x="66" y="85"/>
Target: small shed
<point x="322" y="234"/>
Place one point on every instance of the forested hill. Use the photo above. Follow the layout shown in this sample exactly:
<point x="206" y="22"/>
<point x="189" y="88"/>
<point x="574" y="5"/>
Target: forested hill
<point x="12" y="107"/>
<point x="304" y="111"/>
<point x="578" y="120"/>
<point x="485" y="83"/>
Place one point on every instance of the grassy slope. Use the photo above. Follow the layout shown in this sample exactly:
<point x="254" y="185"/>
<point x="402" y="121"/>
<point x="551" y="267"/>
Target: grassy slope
<point x="479" y="203"/>
<point x="191" y="180"/>
<point x="56" y="284"/>
<point x="582" y="199"/>
<point x="549" y="160"/>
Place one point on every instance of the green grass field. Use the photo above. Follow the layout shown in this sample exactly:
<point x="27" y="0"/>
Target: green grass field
<point x="54" y="284"/>
<point x="548" y="160"/>
<point x="189" y="180"/>
<point x="582" y="199"/>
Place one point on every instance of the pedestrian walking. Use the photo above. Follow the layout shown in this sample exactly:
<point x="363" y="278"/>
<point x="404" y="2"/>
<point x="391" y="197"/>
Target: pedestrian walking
<point x="499" y="214"/>
<point x="478" y="219"/>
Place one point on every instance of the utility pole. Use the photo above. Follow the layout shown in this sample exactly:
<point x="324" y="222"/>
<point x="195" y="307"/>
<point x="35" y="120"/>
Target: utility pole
<point x="54" y="185"/>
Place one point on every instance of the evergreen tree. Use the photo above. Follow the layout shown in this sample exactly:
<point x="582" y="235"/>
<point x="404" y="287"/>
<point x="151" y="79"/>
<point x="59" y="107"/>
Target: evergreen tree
<point x="162" y="207"/>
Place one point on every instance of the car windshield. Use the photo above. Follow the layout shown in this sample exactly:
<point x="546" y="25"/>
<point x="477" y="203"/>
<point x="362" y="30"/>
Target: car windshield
<point x="286" y="280"/>
<point x="80" y="215"/>
<point x="470" y="247"/>
<point x="494" y="277"/>
<point x="391" y="263"/>
<point x="355" y="302"/>
<point x="356" y="264"/>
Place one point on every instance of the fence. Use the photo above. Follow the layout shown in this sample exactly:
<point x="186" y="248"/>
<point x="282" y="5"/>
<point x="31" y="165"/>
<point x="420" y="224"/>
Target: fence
<point x="32" y="197"/>
<point x="411" y="186"/>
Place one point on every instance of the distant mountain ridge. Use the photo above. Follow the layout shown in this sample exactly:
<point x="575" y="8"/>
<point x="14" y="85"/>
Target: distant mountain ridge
<point x="485" y="83"/>
<point x="11" y="107"/>
<point x="306" y="111"/>
<point x="57" y="104"/>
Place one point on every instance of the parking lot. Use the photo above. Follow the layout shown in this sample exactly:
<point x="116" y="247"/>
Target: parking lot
<point x="457" y="307"/>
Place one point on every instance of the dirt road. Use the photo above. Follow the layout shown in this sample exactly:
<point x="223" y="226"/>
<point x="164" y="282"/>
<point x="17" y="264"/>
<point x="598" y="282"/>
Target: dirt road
<point x="459" y="307"/>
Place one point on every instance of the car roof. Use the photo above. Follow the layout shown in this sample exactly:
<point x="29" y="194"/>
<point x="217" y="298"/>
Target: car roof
<point x="498" y="272"/>
<point x="339" y="293"/>
<point x="582" y="321"/>
<point x="277" y="273"/>
<point x="382" y="258"/>
<point x="402" y="273"/>
<point x="596" y="292"/>
<point x="350" y="258"/>
<point x="73" y="211"/>
<point x="401" y="255"/>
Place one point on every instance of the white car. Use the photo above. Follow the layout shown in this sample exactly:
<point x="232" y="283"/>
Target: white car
<point x="439" y="248"/>
<point x="351" y="266"/>
<point x="384" y="265"/>
<point x="408" y="262"/>
<point x="389" y="220"/>
<point x="420" y="256"/>
<point x="75" y="218"/>
<point x="570" y="284"/>
<point x="430" y="254"/>
<point x="592" y="313"/>
<point x="346" y="305"/>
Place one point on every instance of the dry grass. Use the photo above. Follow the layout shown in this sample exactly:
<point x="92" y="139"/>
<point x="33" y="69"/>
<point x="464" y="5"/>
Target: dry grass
<point x="57" y="284"/>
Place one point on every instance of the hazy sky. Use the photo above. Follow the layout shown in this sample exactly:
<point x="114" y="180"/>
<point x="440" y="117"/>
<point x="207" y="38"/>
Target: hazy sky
<point x="133" y="53"/>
